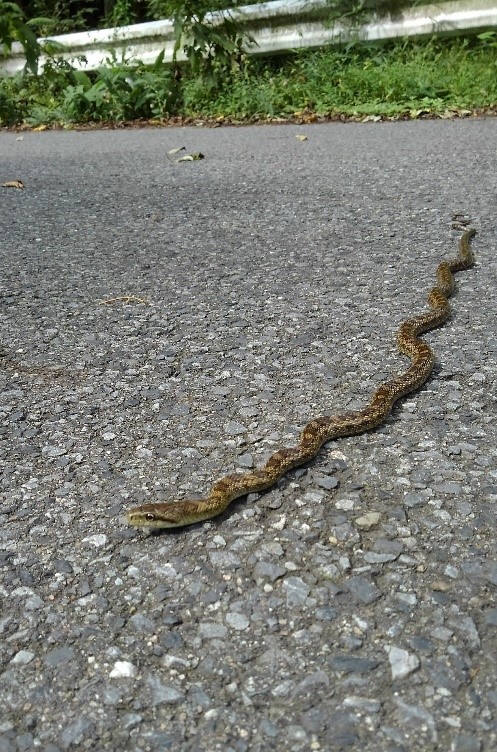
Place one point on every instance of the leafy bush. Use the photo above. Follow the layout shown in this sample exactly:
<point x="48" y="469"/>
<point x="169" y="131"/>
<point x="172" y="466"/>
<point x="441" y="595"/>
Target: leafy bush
<point x="14" y="29"/>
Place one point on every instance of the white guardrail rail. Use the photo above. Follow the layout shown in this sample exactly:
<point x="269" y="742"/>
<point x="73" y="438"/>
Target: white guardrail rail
<point x="276" y="26"/>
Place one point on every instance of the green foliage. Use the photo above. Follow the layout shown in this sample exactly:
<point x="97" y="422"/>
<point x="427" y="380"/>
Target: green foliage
<point x="14" y="29"/>
<point x="61" y="16"/>
<point x="123" y="13"/>
<point x="119" y="93"/>
<point x="377" y="79"/>
<point x="213" y="46"/>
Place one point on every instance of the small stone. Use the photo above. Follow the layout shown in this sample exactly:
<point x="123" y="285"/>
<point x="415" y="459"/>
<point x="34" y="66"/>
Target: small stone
<point x="24" y="741"/>
<point x="465" y="624"/>
<point x="232" y="428"/>
<point x="268" y="728"/>
<point x="34" y="603"/>
<point x="402" y="663"/>
<point x="130" y="720"/>
<point x="237" y="621"/>
<point x="368" y="520"/>
<point x="449" y="487"/>
<point x="385" y="546"/>
<point x="96" y="540"/>
<point x="346" y="505"/>
<point x="245" y="461"/>
<point x="296" y="591"/>
<point x="451" y="571"/>
<point x="224" y="560"/>
<point x="365" y="704"/>
<point x="466" y="743"/>
<point x="62" y="566"/>
<point x="370" y="557"/>
<point x="23" y="657"/>
<point x="311" y="682"/>
<point x="490" y="619"/>
<point x="363" y="590"/>
<point x="266" y="570"/>
<point x="351" y="664"/>
<point x="296" y="733"/>
<point x="142" y="624"/>
<point x="7" y="745"/>
<point x="326" y="481"/>
<point x="59" y="656"/>
<point x="326" y="613"/>
<point x="211" y="630"/>
<point x="75" y="732"/>
<point x="123" y="670"/>
<point x="53" y="451"/>
<point x="162" y="694"/>
<point x="414" y="717"/>
<point x="144" y="453"/>
<point x="414" y="499"/>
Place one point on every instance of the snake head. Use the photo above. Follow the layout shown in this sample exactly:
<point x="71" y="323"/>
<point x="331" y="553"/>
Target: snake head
<point x="153" y="516"/>
<point x="168" y="514"/>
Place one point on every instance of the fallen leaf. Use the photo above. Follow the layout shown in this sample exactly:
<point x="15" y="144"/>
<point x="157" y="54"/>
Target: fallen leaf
<point x="40" y="128"/>
<point x="301" y="137"/>
<point x="172" y="152"/>
<point x="123" y="299"/>
<point x="13" y="184"/>
<point x="191" y="157"/>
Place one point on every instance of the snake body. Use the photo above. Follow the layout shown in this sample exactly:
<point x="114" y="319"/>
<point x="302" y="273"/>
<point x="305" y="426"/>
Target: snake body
<point x="326" y="428"/>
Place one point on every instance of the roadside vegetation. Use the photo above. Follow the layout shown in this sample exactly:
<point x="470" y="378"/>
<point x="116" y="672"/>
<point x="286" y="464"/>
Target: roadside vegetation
<point x="218" y="81"/>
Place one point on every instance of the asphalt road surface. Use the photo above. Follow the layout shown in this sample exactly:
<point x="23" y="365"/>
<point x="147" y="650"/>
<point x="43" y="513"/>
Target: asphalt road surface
<point x="165" y="323"/>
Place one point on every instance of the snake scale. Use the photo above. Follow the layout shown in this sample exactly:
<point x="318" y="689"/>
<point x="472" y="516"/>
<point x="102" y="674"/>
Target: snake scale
<point x="326" y="428"/>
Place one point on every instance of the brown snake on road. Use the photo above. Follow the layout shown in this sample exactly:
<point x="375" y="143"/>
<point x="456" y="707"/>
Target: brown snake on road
<point x="326" y="428"/>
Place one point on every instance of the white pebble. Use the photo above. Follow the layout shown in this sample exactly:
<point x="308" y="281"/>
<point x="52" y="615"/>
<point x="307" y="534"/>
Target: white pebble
<point x="123" y="670"/>
<point x="96" y="540"/>
<point x="402" y="663"/>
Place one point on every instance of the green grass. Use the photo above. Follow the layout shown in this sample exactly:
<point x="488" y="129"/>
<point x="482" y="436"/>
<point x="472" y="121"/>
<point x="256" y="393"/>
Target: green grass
<point x="387" y="80"/>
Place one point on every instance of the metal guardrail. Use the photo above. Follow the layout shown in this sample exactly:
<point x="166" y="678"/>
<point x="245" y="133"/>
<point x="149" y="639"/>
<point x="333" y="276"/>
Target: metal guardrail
<point x="276" y="26"/>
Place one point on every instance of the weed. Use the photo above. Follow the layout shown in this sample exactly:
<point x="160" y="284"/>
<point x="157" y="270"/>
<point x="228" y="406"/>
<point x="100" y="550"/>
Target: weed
<point x="410" y="77"/>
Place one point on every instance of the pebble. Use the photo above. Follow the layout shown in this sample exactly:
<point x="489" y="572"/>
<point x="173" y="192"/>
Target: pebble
<point x="327" y="482"/>
<point x="123" y="670"/>
<point x="59" y="656"/>
<point x="402" y="663"/>
<point x="363" y="590"/>
<point x="297" y="591"/>
<point x="96" y="540"/>
<point x="368" y="520"/>
<point x="351" y="664"/>
<point x="237" y="621"/>
<point x="364" y="704"/>
<point x="142" y="624"/>
<point x="23" y="657"/>
<point x="232" y="428"/>
<point x="267" y="570"/>
<point x="158" y="693"/>
<point x="212" y="630"/>
<point x="416" y="719"/>
<point x="467" y="743"/>
<point x="75" y="732"/>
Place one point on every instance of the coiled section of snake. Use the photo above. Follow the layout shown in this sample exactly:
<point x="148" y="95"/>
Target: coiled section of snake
<point x="326" y="428"/>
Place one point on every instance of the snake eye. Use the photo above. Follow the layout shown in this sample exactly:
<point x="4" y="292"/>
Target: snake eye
<point x="150" y="517"/>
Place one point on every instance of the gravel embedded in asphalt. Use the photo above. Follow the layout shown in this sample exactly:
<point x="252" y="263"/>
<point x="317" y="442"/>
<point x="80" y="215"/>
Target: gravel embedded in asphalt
<point x="353" y="606"/>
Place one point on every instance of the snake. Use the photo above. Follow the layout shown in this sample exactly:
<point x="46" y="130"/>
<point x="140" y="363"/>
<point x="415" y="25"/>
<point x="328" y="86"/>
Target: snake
<point x="174" y="514"/>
